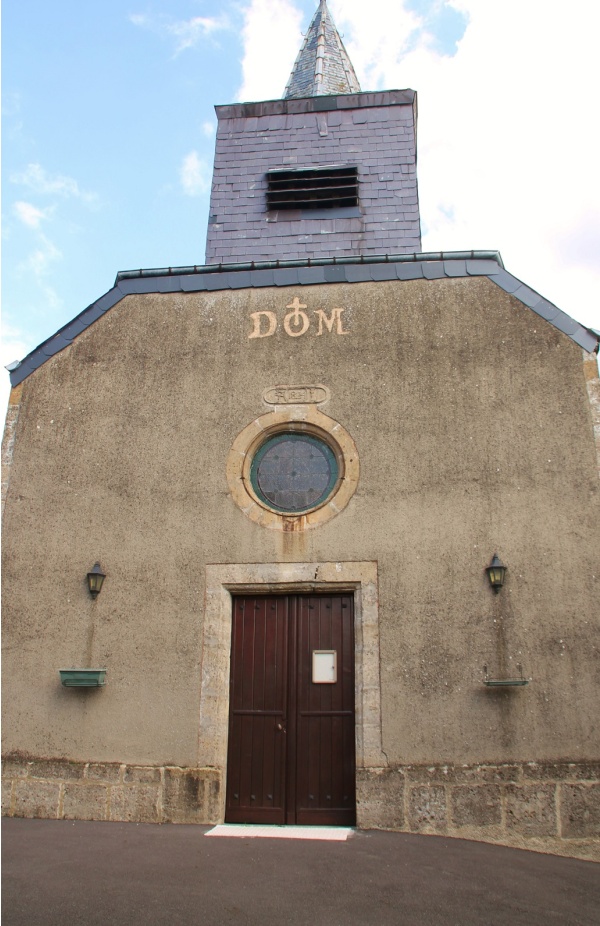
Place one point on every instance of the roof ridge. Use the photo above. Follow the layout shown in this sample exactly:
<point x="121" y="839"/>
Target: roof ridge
<point x="323" y="67"/>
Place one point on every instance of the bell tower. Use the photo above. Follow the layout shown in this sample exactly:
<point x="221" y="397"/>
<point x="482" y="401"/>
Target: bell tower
<point x="326" y="171"/>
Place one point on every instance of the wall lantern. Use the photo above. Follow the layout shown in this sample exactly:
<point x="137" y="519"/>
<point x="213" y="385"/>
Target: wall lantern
<point x="95" y="578"/>
<point x="496" y="572"/>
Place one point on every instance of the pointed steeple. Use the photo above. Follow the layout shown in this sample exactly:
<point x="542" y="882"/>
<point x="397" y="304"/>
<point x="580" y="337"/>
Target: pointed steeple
<point x="322" y="67"/>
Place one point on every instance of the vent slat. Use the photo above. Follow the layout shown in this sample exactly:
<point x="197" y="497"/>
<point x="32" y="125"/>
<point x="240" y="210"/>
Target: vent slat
<point x="313" y="203"/>
<point x="311" y="181"/>
<point x="313" y="172"/>
<point x="312" y="189"/>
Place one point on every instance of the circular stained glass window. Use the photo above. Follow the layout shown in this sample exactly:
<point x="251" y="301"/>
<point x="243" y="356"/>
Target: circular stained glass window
<point x="294" y="472"/>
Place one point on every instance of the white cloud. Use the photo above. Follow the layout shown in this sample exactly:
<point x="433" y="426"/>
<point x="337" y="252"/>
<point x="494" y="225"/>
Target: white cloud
<point x="11" y="103"/>
<point x="208" y="129"/>
<point x="38" y="180"/>
<point x="29" y="214"/>
<point x="272" y="39"/>
<point x="189" y="32"/>
<point x="507" y="144"/>
<point x="186" y="32"/>
<point x="376" y="36"/>
<point x="195" y="175"/>
<point x="38" y="262"/>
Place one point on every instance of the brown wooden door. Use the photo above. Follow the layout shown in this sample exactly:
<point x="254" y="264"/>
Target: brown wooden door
<point x="291" y="740"/>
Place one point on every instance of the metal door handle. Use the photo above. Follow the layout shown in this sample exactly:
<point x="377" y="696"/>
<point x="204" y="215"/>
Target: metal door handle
<point x="279" y="726"/>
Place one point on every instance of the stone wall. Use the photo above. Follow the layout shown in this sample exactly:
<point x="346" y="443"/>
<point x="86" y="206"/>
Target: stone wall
<point x="545" y="807"/>
<point x="54" y="789"/>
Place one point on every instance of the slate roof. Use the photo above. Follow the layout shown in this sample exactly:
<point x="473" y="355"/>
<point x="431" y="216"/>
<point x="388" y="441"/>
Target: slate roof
<point x="403" y="267"/>
<point x="322" y="66"/>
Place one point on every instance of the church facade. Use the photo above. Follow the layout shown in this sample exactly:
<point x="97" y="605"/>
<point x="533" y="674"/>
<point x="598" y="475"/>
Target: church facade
<point x="294" y="466"/>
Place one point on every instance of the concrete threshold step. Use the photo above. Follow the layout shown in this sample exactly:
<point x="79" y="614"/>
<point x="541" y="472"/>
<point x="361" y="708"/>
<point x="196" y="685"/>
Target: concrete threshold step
<point x="251" y="831"/>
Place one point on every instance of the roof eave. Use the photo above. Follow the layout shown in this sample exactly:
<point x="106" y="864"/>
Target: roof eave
<point x="311" y="271"/>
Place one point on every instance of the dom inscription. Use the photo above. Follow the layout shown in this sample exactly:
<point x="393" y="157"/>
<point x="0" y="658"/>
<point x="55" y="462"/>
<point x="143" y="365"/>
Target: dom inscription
<point x="297" y="322"/>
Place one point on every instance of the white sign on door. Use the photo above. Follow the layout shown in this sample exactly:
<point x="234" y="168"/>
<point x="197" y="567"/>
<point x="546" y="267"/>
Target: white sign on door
<point x="324" y="666"/>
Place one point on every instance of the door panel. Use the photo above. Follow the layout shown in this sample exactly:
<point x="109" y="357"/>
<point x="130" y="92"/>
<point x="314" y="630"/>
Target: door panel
<point x="256" y="762"/>
<point x="325" y="758"/>
<point x="291" y="741"/>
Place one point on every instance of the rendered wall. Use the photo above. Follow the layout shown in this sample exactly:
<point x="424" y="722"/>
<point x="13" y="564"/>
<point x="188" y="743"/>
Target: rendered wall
<point x="474" y="432"/>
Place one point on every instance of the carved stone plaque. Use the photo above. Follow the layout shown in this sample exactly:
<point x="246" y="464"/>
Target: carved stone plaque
<point x="296" y="395"/>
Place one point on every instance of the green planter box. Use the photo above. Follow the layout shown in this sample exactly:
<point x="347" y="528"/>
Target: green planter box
<point x="82" y="678"/>
<point x="505" y="682"/>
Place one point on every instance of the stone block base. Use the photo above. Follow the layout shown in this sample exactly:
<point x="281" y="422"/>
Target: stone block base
<point x="546" y="807"/>
<point x="59" y="790"/>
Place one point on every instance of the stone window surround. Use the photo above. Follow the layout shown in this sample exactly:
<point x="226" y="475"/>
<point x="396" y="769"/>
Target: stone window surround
<point x="222" y="582"/>
<point x="300" y="418"/>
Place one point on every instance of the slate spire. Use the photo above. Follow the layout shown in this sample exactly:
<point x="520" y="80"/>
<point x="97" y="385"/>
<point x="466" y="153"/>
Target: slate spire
<point x="322" y="67"/>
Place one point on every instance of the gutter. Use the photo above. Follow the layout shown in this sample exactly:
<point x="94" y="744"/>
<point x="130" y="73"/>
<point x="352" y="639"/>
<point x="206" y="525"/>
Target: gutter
<point x="311" y="262"/>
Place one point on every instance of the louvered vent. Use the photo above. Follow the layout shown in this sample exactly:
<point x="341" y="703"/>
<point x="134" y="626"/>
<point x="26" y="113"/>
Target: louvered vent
<point x="315" y="188"/>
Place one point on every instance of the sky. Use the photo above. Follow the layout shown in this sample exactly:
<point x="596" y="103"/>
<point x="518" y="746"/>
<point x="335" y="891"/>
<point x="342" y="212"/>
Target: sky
<point x="109" y="132"/>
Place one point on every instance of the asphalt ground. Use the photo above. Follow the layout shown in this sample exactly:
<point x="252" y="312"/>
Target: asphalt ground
<point x="59" y="872"/>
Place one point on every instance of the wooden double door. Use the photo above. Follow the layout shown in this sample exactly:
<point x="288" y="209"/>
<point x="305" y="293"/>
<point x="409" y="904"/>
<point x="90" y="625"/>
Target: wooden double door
<point x="291" y="754"/>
